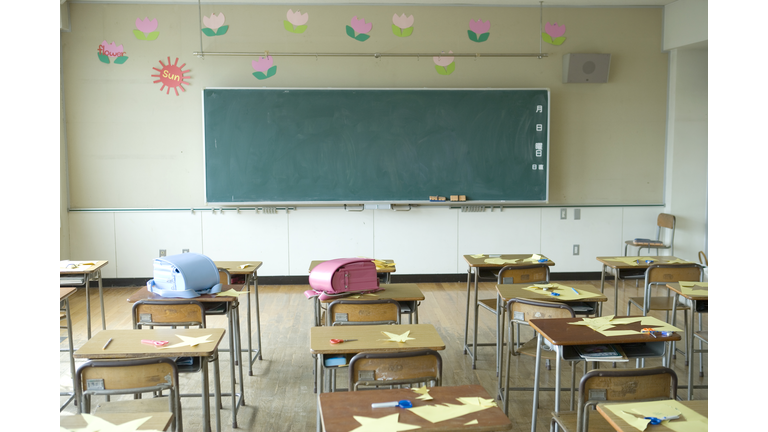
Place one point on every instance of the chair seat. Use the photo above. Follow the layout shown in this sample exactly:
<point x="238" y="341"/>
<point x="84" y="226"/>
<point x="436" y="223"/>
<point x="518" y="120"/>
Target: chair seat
<point x="159" y="404"/>
<point x="703" y="335"/>
<point x="660" y="303"/>
<point x="567" y="421"/>
<point x="489" y="304"/>
<point x="650" y="245"/>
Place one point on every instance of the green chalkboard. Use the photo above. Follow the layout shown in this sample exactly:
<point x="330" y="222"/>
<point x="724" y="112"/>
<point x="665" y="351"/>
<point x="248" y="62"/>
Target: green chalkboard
<point x="366" y="145"/>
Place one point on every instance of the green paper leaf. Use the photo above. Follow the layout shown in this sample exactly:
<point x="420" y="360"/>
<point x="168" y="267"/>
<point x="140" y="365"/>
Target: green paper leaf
<point x="483" y="37"/>
<point x="121" y="59"/>
<point x="300" y="29"/>
<point x="152" y="36"/>
<point x="288" y="26"/>
<point x="222" y="30"/>
<point x="450" y="68"/>
<point x="546" y="38"/>
<point x="396" y="31"/>
<point x="351" y="32"/>
<point x="272" y="71"/>
<point x="472" y="35"/>
<point x="441" y="70"/>
<point x="559" y="41"/>
<point x="260" y="75"/>
<point x="103" y="58"/>
<point x="407" y="32"/>
<point x="139" y="35"/>
<point x="208" y="32"/>
<point x="362" y="37"/>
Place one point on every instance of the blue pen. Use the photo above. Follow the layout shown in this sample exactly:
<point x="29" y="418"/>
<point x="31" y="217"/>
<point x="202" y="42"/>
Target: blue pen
<point x="574" y="290"/>
<point x="648" y="261"/>
<point x="555" y="294"/>
<point x="543" y="260"/>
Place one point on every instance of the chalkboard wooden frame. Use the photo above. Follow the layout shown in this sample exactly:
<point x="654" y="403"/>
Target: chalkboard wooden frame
<point x="335" y="146"/>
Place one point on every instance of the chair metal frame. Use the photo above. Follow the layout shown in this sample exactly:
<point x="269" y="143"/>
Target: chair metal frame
<point x="408" y="359"/>
<point x="666" y="221"/>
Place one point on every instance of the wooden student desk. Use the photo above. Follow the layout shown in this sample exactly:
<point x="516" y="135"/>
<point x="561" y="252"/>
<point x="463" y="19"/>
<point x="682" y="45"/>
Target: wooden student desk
<point x="64" y="295"/>
<point x="127" y="344"/>
<point x="474" y="265"/>
<point x="251" y="277"/>
<point x="563" y="336"/>
<point x="699" y="298"/>
<point x="618" y="267"/>
<point x="506" y="292"/>
<point x="699" y="407"/>
<point x="338" y="409"/>
<point x="233" y="325"/>
<point x="88" y="273"/>
<point x="160" y="421"/>
<point x="408" y="295"/>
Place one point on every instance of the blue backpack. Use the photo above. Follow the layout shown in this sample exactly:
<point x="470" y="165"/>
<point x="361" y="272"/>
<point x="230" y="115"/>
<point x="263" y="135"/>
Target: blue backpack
<point x="184" y="275"/>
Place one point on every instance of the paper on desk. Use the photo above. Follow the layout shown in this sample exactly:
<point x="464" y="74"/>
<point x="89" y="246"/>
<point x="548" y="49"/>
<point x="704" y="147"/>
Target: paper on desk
<point x="383" y="424"/>
<point x="383" y="264"/>
<point x="397" y="338"/>
<point x="423" y="391"/>
<point x="690" y="420"/>
<point x="243" y="266"/>
<point x="695" y="288"/>
<point x="483" y="402"/>
<point x="473" y="422"/>
<point x="357" y="296"/>
<point x="603" y="325"/>
<point x="231" y="293"/>
<point x="501" y="261"/>
<point x="477" y="255"/>
<point x="442" y="412"/>
<point x="632" y="260"/>
<point x="189" y="341"/>
<point x="566" y="292"/>
<point x="678" y="261"/>
<point x="75" y="265"/>
<point x="534" y="258"/>
<point x="97" y="424"/>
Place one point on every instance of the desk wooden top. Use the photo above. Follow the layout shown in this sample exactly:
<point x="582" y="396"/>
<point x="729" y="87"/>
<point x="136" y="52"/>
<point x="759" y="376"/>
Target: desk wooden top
<point x="559" y="332"/>
<point x="233" y="267"/>
<point x="81" y="269"/>
<point x="698" y="406"/>
<point x="510" y="291"/>
<point x="127" y="343"/>
<point x="480" y="262"/>
<point x="612" y="263"/>
<point x="399" y="292"/>
<point x="370" y="339"/>
<point x="699" y="293"/>
<point x="337" y="409"/>
<point x="66" y="292"/>
<point x="144" y="294"/>
<point x="157" y="421"/>
<point x="391" y="269"/>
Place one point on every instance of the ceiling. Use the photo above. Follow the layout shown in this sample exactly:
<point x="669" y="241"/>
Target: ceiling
<point x="547" y="3"/>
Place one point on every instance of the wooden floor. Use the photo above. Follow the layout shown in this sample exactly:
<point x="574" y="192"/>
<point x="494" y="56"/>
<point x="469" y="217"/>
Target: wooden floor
<point x="279" y="395"/>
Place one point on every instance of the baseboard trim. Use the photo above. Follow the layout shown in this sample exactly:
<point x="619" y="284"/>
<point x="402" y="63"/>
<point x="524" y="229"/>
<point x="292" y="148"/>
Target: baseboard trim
<point x="396" y="278"/>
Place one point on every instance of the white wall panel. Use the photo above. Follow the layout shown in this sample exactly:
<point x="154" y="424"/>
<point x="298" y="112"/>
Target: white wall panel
<point x="140" y="236"/>
<point x="596" y="233"/>
<point x="322" y="234"/>
<point x="243" y="236"/>
<point x="421" y="241"/>
<point x="507" y="231"/>
<point x="93" y="238"/>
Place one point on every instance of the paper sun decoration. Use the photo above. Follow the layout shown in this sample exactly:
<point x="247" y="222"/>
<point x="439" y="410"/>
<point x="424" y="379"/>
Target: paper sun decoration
<point x="553" y="34"/>
<point x="478" y="30"/>
<point x="171" y="76"/>
<point x="263" y="67"/>
<point x="296" y="21"/>
<point x="402" y="25"/>
<point x="214" y="25"/>
<point x="111" y="50"/>
<point x="358" y="28"/>
<point x="444" y="65"/>
<point x="146" y="29"/>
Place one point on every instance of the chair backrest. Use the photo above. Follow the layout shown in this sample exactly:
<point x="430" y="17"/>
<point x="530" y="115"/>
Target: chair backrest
<point x="225" y="277"/>
<point x="522" y="310"/>
<point x="667" y="221"/>
<point x="616" y="385"/>
<point x="666" y="273"/>
<point x="118" y="377"/>
<point x="363" y="312"/>
<point x="397" y="368"/>
<point x="523" y="274"/>
<point x="168" y="313"/>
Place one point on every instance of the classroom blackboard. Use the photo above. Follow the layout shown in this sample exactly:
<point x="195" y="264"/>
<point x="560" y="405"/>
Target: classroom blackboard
<point x="372" y="145"/>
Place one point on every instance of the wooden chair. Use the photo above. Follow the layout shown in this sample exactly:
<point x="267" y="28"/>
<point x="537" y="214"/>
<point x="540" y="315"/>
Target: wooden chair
<point x="666" y="221"/>
<point x="363" y="312"/>
<point x="130" y="377"/>
<point x="520" y="311"/>
<point x="395" y="369"/>
<point x="662" y="274"/>
<point x="615" y="385"/>
<point x="168" y="313"/>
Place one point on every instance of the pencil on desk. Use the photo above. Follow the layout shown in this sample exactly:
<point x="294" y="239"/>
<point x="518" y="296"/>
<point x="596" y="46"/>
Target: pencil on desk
<point x="574" y="290"/>
<point x="107" y="344"/>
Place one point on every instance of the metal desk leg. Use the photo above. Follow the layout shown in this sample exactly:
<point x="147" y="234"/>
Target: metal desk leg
<point x="558" y="363"/>
<point x="217" y="391"/>
<point x="101" y="299"/>
<point x="602" y="289"/>
<point x="416" y="312"/>
<point x="500" y="315"/>
<point x="319" y="385"/>
<point x="205" y="394"/>
<point x="690" y="354"/>
<point x="234" y="352"/>
<point x="88" y="305"/>
<point x="71" y="359"/>
<point x="474" y="331"/>
<point x="466" y="320"/>
<point x="616" y="292"/>
<point x="536" y="382"/>
<point x="240" y="364"/>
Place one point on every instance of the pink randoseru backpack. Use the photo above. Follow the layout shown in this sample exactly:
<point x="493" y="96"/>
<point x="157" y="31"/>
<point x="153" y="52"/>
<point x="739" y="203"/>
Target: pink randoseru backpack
<point x="342" y="276"/>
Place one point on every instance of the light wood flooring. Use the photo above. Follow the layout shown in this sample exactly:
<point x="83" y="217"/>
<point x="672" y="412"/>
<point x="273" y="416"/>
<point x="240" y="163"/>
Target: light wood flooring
<point x="279" y="395"/>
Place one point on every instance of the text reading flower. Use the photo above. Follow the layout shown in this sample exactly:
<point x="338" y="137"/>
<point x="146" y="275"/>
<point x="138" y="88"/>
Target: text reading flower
<point x="106" y="51"/>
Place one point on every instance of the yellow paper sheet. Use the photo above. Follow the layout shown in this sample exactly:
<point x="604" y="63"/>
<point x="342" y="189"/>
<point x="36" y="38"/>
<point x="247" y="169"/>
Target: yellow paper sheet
<point x="603" y="325"/>
<point x="695" y="288"/>
<point x="383" y="424"/>
<point x="97" y="424"/>
<point x="534" y="258"/>
<point x="473" y="422"/>
<point x="631" y="260"/>
<point x="244" y="266"/>
<point x="189" y="341"/>
<point x="442" y="412"/>
<point x="477" y="256"/>
<point x="75" y="265"/>
<point x="566" y="292"/>
<point x="487" y="403"/>
<point x="691" y="421"/>
<point x="397" y="338"/>
<point x="383" y="264"/>
<point x="678" y="261"/>
<point x="423" y="393"/>
<point x="357" y="296"/>
<point x="231" y="293"/>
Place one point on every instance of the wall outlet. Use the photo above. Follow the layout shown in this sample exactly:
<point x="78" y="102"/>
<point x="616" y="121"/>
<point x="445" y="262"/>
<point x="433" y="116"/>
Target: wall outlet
<point x="575" y="249"/>
<point x="162" y="252"/>
<point x="576" y="214"/>
<point x="563" y="213"/>
<point x="185" y="251"/>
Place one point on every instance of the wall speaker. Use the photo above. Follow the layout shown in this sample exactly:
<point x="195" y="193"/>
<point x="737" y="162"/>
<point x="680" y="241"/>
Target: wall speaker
<point x="586" y="68"/>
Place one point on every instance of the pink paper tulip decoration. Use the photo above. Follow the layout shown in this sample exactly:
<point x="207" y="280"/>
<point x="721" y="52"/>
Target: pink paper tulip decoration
<point x="171" y="76"/>
<point x="296" y="22"/>
<point x="444" y="64"/>
<point x="214" y="25"/>
<point x="553" y="34"/>
<point x="146" y="29"/>
<point x="358" y="28"/>
<point x="402" y="26"/>
<point x="479" y="30"/>
<point x="107" y="51"/>
<point x="264" y="68"/>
